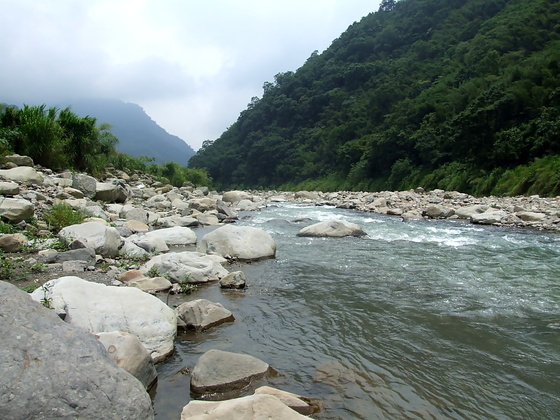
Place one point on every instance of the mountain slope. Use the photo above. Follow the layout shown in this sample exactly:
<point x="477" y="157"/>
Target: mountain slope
<point x="138" y="134"/>
<point x="450" y="94"/>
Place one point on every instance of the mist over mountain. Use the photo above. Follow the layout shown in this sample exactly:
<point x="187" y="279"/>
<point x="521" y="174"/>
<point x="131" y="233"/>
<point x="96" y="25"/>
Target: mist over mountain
<point x="138" y="134"/>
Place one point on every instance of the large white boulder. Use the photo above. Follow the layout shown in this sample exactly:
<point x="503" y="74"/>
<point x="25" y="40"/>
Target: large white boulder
<point x="188" y="267"/>
<point x="105" y="240"/>
<point x="234" y="197"/>
<point x="333" y="229"/>
<point x="111" y="192"/>
<point x="100" y="308"/>
<point x="22" y="174"/>
<point x="252" y="407"/>
<point x="241" y="242"/>
<point x="14" y="210"/>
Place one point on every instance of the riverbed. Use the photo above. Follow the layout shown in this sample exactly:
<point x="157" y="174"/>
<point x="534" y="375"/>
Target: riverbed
<point x="423" y="319"/>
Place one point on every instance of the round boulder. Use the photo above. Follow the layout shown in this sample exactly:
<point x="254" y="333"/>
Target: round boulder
<point x="332" y="229"/>
<point x="241" y="242"/>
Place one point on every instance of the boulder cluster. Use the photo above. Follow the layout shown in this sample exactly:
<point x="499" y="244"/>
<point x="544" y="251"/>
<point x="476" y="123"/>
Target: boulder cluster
<point x="73" y="342"/>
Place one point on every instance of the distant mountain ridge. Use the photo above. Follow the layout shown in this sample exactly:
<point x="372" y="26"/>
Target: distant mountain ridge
<point x="138" y="134"/>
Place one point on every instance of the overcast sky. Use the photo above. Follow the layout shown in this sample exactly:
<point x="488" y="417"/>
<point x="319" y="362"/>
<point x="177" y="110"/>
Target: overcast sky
<point x="193" y="65"/>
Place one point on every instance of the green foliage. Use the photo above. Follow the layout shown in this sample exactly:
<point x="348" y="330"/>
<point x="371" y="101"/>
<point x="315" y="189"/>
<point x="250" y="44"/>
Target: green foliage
<point x="7" y="228"/>
<point x="56" y="139"/>
<point x="30" y="288"/>
<point x="62" y="215"/>
<point x="422" y="92"/>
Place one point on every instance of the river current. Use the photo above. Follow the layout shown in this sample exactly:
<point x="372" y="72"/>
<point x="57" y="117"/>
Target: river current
<point x="416" y="320"/>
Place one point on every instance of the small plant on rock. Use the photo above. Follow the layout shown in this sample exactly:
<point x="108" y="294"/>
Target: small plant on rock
<point x="62" y="215"/>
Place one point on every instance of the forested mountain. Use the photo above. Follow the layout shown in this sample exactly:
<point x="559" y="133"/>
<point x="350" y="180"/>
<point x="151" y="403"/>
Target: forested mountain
<point x="455" y="94"/>
<point x="138" y="134"/>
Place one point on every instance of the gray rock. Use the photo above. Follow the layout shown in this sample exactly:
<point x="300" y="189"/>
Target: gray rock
<point x="51" y="369"/>
<point x="234" y="197"/>
<point x="74" y="266"/>
<point x="86" y="255"/>
<point x="202" y="204"/>
<point x="22" y="174"/>
<point x="18" y="160"/>
<point x="188" y="267"/>
<point x="201" y="314"/>
<point x="438" y="212"/>
<point x="85" y="183"/>
<point x="529" y="216"/>
<point x="234" y="280"/>
<point x="173" y="236"/>
<point x="252" y="407"/>
<point x="100" y="308"/>
<point x="129" y="354"/>
<point x="15" y="210"/>
<point x="332" y="228"/>
<point x="114" y="192"/>
<point x="489" y="217"/>
<point x="151" y="284"/>
<point x="12" y="242"/>
<point x="224" y="209"/>
<point x="9" y="188"/>
<point x="105" y="240"/>
<point x="176" y="220"/>
<point x="303" y="405"/>
<point x="467" y="211"/>
<point x="240" y="242"/>
<point x="221" y="371"/>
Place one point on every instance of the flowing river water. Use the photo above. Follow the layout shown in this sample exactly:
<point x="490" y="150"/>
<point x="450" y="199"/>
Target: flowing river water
<point x="417" y="320"/>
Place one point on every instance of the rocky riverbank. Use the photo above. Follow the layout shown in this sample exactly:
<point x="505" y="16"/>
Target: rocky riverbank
<point x="99" y="275"/>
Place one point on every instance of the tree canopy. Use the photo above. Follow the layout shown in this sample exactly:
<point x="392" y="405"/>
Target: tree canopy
<point x="455" y="94"/>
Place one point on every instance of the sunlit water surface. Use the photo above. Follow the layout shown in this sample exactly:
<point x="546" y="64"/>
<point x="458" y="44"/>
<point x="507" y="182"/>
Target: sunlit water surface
<point x="417" y="320"/>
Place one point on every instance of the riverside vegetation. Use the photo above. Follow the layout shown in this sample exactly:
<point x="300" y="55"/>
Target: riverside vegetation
<point x="458" y="95"/>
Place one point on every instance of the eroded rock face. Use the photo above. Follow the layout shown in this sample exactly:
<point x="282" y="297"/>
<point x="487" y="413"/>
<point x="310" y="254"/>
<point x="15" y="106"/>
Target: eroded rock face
<point x="222" y="371"/>
<point x="99" y="308"/>
<point x="51" y="369"/>
<point x="239" y="242"/>
<point x="253" y="407"/>
<point x="333" y="229"/>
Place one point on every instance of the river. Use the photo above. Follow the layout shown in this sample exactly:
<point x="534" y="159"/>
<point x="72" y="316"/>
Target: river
<point x="416" y="320"/>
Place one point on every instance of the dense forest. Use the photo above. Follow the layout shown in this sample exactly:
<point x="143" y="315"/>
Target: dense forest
<point x="453" y="94"/>
<point x="59" y="139"/>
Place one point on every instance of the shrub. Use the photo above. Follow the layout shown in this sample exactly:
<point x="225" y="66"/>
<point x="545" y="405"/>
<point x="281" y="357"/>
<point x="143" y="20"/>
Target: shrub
<point x="62" y="215"/>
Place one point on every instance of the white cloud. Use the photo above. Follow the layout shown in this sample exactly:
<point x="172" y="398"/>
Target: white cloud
<point x="192" y="65"/>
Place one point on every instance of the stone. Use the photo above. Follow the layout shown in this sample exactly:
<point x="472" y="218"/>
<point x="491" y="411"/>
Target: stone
<point x="12" y="242"/>
<point x="252" y="407"/>
<point x="85" y="183"/>
<point x="206" y="219"/>
<point x="131" y="250"/>
<point x="22" y="174"/>
<point x="138" y="214"/>
<point x="99" y="308"/>
<point x="240" y="242"/>
<point x="136" y="226"/>
<point x="234" y="197"/>
<point x="220" y="371"/>
<point x="490" y="217"/>
<point x="9" y="188"/>
<point x="151" y="284"/>
<point x="18" y="160"/>
<point x="438" y="212"/>
<point x="86" y="255"/>
<point x="234" y="280"/>
<point x="188" y="267"/>
<point x="111" y="192"/>
<point x="174" y="236"/>
<point x="202" y="204"/>
<point x="224" y="209"/>
<point x="467" y="211"/>
<point x="129" y="354"/>
<point x="74" y="266"/>
<point x="529" y="216"/>
<point x="15" y="210"/>
<point x="302" y="405"/>
<point x="177" y="220"/>
<point x="52" y="369"/>
<point x="73" y="192"/>
<point x="333" y="229"/>
<point x="247" y="205"/>
<point x="201" y="314"/>
<point x="105" y="240"/>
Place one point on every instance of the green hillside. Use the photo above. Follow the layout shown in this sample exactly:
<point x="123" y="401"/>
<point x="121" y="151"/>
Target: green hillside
<point x="453" y="94"/>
